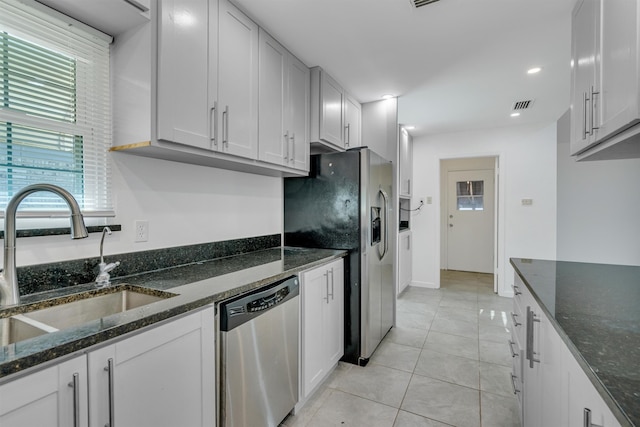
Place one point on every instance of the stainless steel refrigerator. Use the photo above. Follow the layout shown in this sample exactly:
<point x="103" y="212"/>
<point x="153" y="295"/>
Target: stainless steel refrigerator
<point x="346" y="203"/>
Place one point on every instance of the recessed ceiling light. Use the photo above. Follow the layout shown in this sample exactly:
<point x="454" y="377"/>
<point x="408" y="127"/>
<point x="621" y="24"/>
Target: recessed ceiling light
<point x="409" y="127"/>
<point x="388" y="96"/>
<point x="534" y="70"/>
<point x="515" y="114"/>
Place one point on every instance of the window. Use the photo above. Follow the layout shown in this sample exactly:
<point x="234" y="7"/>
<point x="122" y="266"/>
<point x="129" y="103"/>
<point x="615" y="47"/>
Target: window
<point x="470" y="195"/>
<point x="55" y="124"/>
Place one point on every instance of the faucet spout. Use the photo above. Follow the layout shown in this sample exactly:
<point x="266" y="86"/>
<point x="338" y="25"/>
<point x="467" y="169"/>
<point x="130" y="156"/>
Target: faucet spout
<point x="9" y="293"/>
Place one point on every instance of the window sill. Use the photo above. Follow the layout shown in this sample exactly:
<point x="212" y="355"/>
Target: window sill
<point x="39" y="232"/>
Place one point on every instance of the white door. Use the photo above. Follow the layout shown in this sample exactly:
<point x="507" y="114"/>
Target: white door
<point x="470" y="221"/>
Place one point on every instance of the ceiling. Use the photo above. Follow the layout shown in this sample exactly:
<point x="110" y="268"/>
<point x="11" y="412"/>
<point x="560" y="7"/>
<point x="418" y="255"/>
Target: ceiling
<point x="455" y="65"/>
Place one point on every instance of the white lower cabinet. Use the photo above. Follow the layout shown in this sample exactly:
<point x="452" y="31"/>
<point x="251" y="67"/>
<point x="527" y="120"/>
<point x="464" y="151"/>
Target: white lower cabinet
<point x="162" y="376"/>
<point x="404" y="260"/>
<point x="322" y="324"/>
<point x="554" y="389"/>
<point x="54" y="396"/>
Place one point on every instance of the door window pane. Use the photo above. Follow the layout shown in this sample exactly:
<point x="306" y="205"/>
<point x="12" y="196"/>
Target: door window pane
<point x="470" y="195"/>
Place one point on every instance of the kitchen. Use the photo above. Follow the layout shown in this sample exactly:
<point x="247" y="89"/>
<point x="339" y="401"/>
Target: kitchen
<point x="225" y="205"/>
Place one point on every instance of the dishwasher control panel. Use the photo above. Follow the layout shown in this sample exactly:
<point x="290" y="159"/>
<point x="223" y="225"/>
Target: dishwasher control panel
<point x="268" y="301"/>
<point x="243" y="308"/>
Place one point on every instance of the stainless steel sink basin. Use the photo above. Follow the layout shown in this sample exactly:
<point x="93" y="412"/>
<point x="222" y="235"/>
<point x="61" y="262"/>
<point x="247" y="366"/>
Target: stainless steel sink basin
<point x="94" y="307"/>
<point x="18" y="328"/>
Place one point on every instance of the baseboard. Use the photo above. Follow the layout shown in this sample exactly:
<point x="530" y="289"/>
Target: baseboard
<point x="419" y="284"/>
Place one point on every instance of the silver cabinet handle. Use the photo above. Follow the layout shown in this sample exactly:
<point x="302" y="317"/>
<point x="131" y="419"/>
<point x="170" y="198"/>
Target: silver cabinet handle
<point x="292" y="158"/>
<point x="585" y="125"/>
<point x="513" y="353"/>
<point x="531" y="317"/>
<point x="593" y="110"/>
<point x="516" y="290"/>
<point x="513" y="384"/>
<point x="74" y="384"/>
<point x="326" y="284"/>
<point x="348" y="134"/>
<point x="409" y="242"/>
<point x="286" y="143"/>
<point x="225" y="126"/>
<point x="213" y="116"/>
<point x="586" y="419"/>
<point x="110" y="372"/>
<point x="513" y="317"/>
<point x="409" y="186"/>
<point x="332" y="281"/>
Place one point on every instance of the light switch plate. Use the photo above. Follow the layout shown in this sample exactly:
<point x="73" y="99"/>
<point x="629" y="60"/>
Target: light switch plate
<point x="527" y="202"/>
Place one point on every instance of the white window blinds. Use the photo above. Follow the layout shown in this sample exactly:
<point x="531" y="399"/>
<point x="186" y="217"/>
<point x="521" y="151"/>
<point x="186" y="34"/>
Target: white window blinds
<point x="55" y="113"/>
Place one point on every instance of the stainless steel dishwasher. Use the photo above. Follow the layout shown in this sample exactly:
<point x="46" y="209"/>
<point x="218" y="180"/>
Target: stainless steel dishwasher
<point x="259" y="355"/>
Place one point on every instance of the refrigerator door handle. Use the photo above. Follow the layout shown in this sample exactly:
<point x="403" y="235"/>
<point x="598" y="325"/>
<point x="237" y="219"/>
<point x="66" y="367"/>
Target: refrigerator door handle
<point x="385" y="227"/>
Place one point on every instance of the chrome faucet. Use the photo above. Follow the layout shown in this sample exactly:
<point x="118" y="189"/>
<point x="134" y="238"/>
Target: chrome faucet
<point x="9" y="292"/>
<point x="102" y="280"/>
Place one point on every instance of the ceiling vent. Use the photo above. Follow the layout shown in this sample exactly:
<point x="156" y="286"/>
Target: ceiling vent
<point x="420" y="3"/>
<point x="522" y="105"/>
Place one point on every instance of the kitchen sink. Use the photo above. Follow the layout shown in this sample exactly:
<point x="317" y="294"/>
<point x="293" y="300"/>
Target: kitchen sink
<point x="93" y="307"/>
<point x="19" y="328"/>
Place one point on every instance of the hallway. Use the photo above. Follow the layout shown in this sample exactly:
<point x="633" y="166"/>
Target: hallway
<point x="446" y="363"/>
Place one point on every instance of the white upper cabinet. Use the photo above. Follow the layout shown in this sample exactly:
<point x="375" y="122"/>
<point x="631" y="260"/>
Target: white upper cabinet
<point x="405" y="163"/>
<point x="605" y="88"/>
<point x="186" y="79"/>
<point x="237" y="83"/>
<point x="298" y="114"/>
<point x="335" y="115"/>
<point x="353" y="122"/>
<point x="283" y="119"/>
<point x="186" y="89"/>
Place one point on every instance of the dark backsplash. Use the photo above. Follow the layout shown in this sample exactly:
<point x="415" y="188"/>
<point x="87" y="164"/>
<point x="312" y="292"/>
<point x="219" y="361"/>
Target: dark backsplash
<point x="46" y="277"/>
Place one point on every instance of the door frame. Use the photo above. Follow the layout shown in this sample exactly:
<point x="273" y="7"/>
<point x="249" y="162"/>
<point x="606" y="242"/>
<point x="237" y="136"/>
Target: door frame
<point x="498" y="220"/>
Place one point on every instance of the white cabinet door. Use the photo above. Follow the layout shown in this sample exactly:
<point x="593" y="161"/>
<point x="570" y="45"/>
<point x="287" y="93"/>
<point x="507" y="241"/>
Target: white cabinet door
<point x="405" y="163"/>
<point x="327" y="110"/>
<point x="273" y="137"/>
<point x="186" y="71"/>
<point x="283" y="118"/>
<point x="313" y="297"/>
<point x="334" y="313"/>
<point x="619" y="72"/>
<point x="353" y="122"/>
<point x="49" y="397"/>
<point x="404" y="260"/>
<point x="163" y="376"/>
<point x="543" y="383"/>
<point x="298" y="114"/>
<point x="237" y="83"/>
<point x="331" y="110"/>
<point x="583" y="396"/>
<point x="322" y="343"/>
<point x="585" y="61"/>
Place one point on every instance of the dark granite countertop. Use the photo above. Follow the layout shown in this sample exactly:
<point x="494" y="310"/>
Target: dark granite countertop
<point x="195" y="285"/>
<point x="596" y="310"/>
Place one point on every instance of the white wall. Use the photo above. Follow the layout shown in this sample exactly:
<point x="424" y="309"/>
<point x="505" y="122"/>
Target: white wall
<point x="598" y="208"/>
<point x="527" y="170"/>
<point x="184" y="204"/>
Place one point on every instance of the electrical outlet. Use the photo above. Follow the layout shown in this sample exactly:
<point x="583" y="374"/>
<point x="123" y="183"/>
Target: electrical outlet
<point x="142" y="231"/>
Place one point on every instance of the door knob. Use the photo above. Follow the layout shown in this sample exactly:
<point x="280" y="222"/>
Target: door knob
<point x="450" y="225"/>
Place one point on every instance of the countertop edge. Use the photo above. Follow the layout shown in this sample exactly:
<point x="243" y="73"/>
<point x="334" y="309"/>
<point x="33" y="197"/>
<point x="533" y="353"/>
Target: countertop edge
<point x="617" y="411"/>
<point x="38" y="360"/>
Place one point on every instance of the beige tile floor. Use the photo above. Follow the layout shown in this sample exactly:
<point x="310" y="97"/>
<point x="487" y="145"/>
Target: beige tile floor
<point x="446" y="363"/>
